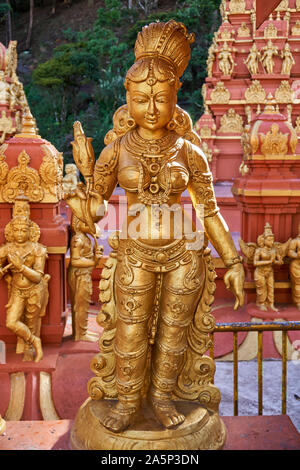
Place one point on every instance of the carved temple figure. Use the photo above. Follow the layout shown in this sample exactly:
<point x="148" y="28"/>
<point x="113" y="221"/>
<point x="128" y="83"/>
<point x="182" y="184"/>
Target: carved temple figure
<point x="22" y="263"/>
<point x="211" y="57"/>
<point x="70" y="180"/>
<point x="243" y="31"/>
<point x="237" y="6"/>
<point x="160" y="273"/>
<point x="267" y="59"/>
<point x="264" y="255"/>
<point x="253" y="59"/>
<point x="288" y="60"/>
<point x="220" y="94"/>
<point x="270" y="31"/>
<point x="296" y="29"/>
<point x="231" y="122"/>
<point x="226" y="62"/>
<point x="294" y="254"/>
<point x="83" y="258"/>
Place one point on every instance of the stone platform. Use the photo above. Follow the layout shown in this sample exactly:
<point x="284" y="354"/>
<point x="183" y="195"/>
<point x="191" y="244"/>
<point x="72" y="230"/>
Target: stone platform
<point x="243" y="433"/>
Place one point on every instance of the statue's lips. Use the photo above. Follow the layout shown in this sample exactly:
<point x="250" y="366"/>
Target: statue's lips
<point x="153" y="120"/>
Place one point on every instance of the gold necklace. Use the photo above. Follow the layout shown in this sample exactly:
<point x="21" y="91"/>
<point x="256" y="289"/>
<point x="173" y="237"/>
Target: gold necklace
<point x="153" y="156"/>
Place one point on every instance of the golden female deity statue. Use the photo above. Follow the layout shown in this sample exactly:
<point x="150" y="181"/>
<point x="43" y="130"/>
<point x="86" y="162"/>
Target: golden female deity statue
<point x="288" y="60"/>
<point x="82" y="261"/>
<point x="157" y="286"/>
<point x="294" y="254"/>
<point x="22" y="263"/>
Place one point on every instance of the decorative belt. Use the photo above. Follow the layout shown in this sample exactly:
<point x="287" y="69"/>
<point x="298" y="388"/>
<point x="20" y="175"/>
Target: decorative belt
<point x="156" y="259"/>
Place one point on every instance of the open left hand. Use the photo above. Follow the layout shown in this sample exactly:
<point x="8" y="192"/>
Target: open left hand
<point x="234" y="281"/>
<point x="16" y="260"/>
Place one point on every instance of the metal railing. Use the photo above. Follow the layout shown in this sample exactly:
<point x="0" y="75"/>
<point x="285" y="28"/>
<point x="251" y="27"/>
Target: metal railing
<point x="237" y="327"/>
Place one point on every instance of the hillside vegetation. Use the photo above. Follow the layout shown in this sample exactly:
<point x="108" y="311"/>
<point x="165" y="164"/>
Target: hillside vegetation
<point x="75" y="64"/>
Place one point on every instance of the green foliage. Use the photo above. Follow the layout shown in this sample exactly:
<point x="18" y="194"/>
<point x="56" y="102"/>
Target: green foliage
<point x="4" y="9"/>
<point x="84" y="79"/>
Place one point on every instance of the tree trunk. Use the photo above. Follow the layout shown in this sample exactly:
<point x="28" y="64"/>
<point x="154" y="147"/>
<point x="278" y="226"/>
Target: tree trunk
<point x="30" y="24"/>
<point x="90" y="3"/>
<point x="130" y="2"/>
<point x="9" y="33"/>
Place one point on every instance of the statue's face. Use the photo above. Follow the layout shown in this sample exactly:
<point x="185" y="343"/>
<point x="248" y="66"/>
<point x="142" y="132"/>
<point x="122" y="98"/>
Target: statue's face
<point x="269" y="240"/>
<point x="21" y="232"/>
<point x="151" y="107"/>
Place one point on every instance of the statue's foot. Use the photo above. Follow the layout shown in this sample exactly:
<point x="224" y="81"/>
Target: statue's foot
<point x="119" y="418"/>
<point x="262" y="307"/>
<point x="298" y="306"/>
<point x="88" y="336"/>
<point x="38" y="349"/>
<point x="272" y="307"/>
<point x="166" y="412"/>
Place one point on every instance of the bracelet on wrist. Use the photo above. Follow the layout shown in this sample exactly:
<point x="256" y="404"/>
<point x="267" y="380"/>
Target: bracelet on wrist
<point x="233" y="261"/>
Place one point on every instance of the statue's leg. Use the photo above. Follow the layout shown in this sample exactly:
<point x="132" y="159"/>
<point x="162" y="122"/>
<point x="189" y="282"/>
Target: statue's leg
<point x="72" y="289"/>
<point x="134" y="301"/>
<point x="14" y="311"/>
<point x="270" y="290"/>
<point x="261" y="289"/>
<point x="33" y="320"/>
<point x="295" y="280"/>
<point x="80" y="310"/>
<point x="178" y="303"/>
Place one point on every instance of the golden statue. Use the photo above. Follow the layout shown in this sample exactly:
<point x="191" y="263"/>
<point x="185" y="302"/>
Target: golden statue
<point x="83" y="259"/>
<point x="157" y="286"/>
<point x="211" y="57"/>
<point x="264" y="255"/>
<point x="267" y="57"/>
<point x="253" y="59"/>
<point x="22" y="263"/>
<point x="294" y="254"/>
<point x="226" y="62"/>
<point x="288" y="60"/>
<point x="70" y="180"/>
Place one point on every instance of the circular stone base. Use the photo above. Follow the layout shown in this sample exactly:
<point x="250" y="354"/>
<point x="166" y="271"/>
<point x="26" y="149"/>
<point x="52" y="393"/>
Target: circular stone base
<point x="201" y="430"/>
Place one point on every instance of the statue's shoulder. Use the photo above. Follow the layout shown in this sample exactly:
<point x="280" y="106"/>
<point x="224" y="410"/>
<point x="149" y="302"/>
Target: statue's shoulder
<point x="196" y="158"/>
<point x="39" y="249"/>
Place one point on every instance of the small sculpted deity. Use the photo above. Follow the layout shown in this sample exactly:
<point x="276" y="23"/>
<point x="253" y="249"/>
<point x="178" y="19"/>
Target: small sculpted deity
<point x="253" y="59"/>
<point x="160" y="266"/>
<point x="82" y="261"/>
<point x="288" y="60"/>
<point x="264" y="255"/>
<point x="22" y="263"/>
<point x="267" y="59"/>
<point x="70" y="179"/>
<point x="294" y="254"/>
<point x="226" y="62"/>
<point x="211" y="57"/>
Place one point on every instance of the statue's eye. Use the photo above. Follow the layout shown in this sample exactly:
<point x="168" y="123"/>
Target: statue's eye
<point x="140" y="100"/>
